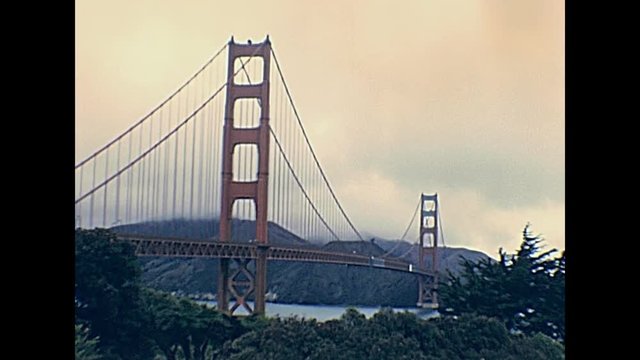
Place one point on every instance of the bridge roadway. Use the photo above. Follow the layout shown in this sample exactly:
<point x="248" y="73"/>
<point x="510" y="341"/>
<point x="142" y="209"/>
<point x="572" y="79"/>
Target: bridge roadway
<point x="175" y="247"/>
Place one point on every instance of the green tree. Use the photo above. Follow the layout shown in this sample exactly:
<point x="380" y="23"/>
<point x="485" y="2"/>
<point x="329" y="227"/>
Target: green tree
<point x="389" y="336"/>
<point x="524" y="290"/>
<point x="107" y="294"/>
<point x="166" y="325"/>
<point x="288" y="338"/>
<point x="181" y="326"/>
<point x="86" y="347"/>
<point x="538" y="346"/>
<point x="135" y="322"/>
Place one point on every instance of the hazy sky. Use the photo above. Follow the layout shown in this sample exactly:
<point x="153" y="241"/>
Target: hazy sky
<point x="460" y="97"/>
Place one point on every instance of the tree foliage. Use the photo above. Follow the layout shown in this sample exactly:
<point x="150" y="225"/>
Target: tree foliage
<point x="389" y="335"/>
<point x="524" y="290"/>
<point x="127" y="321"/>
<point x="86" y="347"/>
<point x="179" y="325"/>
<point x="133" y="322"/>
<point x="107" y="294"/>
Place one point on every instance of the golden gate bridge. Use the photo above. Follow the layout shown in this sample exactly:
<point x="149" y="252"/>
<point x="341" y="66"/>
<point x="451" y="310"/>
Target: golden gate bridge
<point x="228" y="147"/>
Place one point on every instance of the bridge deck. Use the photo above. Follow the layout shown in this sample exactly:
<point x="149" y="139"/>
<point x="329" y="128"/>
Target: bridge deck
<point x="173" y="247"/>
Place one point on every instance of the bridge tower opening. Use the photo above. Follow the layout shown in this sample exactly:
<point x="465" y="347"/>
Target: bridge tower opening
<point x="428" y="285"/>
<point x="237" y="280"/>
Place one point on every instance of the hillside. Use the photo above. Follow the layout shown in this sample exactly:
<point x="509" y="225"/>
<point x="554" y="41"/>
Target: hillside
<point x="302" y="283"/>
<point x="448" y="257"/>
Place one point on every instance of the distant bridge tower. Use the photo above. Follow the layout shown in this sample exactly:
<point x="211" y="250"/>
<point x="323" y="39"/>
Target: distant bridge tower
<point x="428" y="285"/>
<point x="236" y="281"/>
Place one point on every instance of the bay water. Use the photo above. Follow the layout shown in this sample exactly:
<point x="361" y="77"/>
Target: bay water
<point x="322" y="312"/>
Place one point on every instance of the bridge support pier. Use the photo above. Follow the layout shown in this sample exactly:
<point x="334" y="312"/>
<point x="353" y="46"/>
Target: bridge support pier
<point x="261" y="279"/>
<point x="237" y="281"/>
<point x="427" y="292"/>
<point x="222" y="297"/>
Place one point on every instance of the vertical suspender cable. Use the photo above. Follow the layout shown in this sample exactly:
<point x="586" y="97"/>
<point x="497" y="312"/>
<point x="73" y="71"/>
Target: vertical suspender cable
<point x="317" y="196"/>
<point x="218" y="122"/>
<point x="215" y="144"/>
<point x="193" y="163"/>
<point x="93" y="185"/>
<point x="280" y="206"/>
<point x="148" y="190"/>
<point x="157" y="158"/>
<point x="440" y="227"/>
<point x="153" y="173"/>
<point x="205" y="152"/>
<point x="140" y="171"/>
<point x="143" y="190"/>
<point x="117" y="213"/>
<point x="157" y="167"/>
<point x="203" y="123"/>
<point x="184" y="160"/>
<point x="305" y="213"/>
<point x="215" y="160"/>
<point x="205" y="156"/>
<point x="128" y="203"/>
<point x="104" y="199"/>
<point x="311" y="193"/>
<point x="272" y="159"/>
<point x="80" y="203"/>
<point x="165" y="182"/>
<point x="289" y="182"/>
<point x="174" y="204"/>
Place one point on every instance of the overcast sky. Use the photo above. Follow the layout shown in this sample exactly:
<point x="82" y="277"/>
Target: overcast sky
<point x="460" y="97"/>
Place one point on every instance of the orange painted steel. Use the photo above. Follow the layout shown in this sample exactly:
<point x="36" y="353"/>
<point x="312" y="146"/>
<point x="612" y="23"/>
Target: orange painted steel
<point x="173" y="247"/>
<point x="428" y="285"/>
<point x="237" y="190"/>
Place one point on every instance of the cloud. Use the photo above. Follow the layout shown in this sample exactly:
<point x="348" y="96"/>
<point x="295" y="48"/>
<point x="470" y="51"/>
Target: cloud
<point x="472" y="220"/>
<point x="469" y="219"/>
<point x="464" y="98"/>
